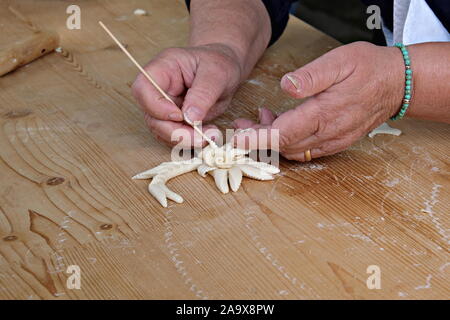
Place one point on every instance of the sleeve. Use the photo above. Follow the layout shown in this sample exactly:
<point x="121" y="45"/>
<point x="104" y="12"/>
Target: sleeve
<point x="278" y="11"/>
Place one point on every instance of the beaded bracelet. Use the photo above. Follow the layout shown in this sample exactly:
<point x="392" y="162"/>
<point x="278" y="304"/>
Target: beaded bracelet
<point x="408" y="82"/>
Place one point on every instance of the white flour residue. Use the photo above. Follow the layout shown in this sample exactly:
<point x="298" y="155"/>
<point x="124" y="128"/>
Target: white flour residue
<point x="256" y="82"/>
<point x="308" y="167"/>
<point x="429" y="206"/>
<point x="427" y="284"/>
<point x="140" y="12"/>
<point x="283" y="292"/>
<point x="332" y="225"/>
<point x="444" y="266"/>
<point x="267" y="254"/>
<point x="430" y="203"/>
<point x="391" y="183"/>
<point x="172" y="246"/>
<point x="360" y="237"/>
<point x="121" y="18"/>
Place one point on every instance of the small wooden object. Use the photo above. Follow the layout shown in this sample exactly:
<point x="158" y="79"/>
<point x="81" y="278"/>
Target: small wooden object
<point x="27" y="50"/>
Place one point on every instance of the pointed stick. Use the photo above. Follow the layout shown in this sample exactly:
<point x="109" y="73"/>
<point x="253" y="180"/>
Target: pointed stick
<point x="154" y="83"/>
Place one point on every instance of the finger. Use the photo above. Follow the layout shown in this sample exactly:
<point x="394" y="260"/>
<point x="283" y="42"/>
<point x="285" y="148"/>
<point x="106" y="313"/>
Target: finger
<point x="301" y="156"/>
<point x="297" y="124"/>
<point x="150" y="99"/>
<point x="257" y="137"/>
<point x="266" y="116"/>
<point x="170" y="132"/>
<point x="180" y="134"/>
<point x="302" y="145"/>
<point x="242" y="123"/>
<point x="205" y="91"/>
<point x="317" y="76"/>
<point x="327" y="148"/>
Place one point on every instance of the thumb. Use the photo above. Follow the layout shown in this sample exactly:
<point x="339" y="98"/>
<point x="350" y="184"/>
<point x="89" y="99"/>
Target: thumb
<point x="205" y="91"/>
<point x="256" y="137"/>
<point x="316" y="76"/>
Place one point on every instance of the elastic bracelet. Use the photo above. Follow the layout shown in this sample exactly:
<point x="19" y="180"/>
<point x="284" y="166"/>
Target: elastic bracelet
<point x="408" y="82"/>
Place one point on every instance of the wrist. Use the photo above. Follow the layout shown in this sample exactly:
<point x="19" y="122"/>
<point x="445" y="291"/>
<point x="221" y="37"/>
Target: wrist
<point x="395" y="76"/>
<point x="242" y="26"/>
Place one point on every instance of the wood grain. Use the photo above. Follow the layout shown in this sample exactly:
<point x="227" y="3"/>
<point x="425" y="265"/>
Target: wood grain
<point x="71" y="136"/>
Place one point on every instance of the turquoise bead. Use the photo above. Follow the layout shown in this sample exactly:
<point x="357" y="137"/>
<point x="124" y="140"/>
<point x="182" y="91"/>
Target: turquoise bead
<point x="408" y="78"/>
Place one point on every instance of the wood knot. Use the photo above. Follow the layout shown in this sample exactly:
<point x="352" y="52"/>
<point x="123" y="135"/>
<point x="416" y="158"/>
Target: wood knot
<point x="17" y="114"/>
<point x="55" y="181"/>
<point x="106" y="226"/>
<point x="10" y="238"/>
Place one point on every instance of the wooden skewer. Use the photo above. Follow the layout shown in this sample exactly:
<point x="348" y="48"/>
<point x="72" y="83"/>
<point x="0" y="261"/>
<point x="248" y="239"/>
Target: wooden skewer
<point x="135" y="62"/>
<point x="153" y="82"/>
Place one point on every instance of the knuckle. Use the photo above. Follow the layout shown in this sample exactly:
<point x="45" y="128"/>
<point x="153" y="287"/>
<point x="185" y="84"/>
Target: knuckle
<point x="320" y="126"/>
<point x="170" y="52"/>
<point x="328" y="147"/>
<point x="306" y="78"/>
<point x="151" y="123"/>
<point x="283" y="141"/>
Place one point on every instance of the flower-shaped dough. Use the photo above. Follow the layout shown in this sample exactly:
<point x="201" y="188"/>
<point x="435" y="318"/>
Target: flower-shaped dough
<point x="226" y="164"/>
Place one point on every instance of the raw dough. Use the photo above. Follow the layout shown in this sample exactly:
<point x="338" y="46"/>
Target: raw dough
<point x="226" y="164"/>
<point x="385" y="129"/>
<point x="140" y="12"/>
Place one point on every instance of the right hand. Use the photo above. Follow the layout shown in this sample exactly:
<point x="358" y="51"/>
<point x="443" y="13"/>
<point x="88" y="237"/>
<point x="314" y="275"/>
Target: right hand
<point x="200" y="80"/>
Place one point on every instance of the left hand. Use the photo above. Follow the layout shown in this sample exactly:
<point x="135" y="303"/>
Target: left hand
<point x="352" y="90"/>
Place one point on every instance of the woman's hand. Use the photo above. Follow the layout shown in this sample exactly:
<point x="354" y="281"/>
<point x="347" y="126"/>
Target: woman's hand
<point x="351" y="90"/>
<point x="201" y="80"/>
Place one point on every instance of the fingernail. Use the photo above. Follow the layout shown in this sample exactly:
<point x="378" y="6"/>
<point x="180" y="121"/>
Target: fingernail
<point x="176" y="116"/>
<point x="194" y="113"/>
<point x="294" y="81"/>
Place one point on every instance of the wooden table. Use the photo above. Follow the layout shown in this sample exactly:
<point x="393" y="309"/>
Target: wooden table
<point x="71" y="136"/>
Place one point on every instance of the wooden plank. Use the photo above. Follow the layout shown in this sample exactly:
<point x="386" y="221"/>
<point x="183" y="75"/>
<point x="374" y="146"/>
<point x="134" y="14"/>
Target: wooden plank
<point x="71" y="136"/>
